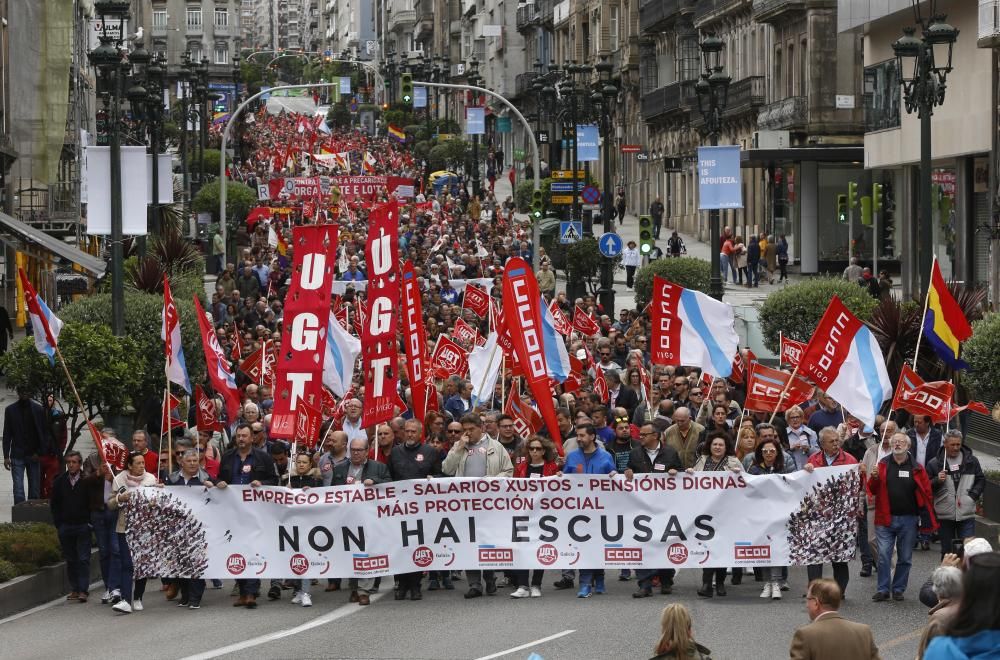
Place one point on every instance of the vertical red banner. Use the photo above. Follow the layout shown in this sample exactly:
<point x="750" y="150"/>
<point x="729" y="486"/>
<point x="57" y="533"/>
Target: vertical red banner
<point x="299" y="369"/>
<point x="378" y="337"/>
<point x="665" y="339"/>
<point x="415" y="339"/>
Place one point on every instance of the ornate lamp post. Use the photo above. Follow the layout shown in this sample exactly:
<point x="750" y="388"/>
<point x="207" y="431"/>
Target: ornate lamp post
<point x="603" y="98"/>
<point x="923" y="65"/>
<point x="475" y="80"/>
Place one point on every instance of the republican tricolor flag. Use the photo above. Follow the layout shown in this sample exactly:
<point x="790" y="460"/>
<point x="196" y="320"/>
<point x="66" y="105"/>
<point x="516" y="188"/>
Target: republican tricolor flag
<point x="170" y="333"/>
<point x="45" y="325"/>
<point x="945" y="326"/>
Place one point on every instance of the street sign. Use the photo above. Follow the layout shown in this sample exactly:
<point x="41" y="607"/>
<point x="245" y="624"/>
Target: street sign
<point x="642" y="156"/>
<point x="610" y="245"/>
<point x="567" y="186"/>
<point x="570" y="231"/>
<point x="591" y="194"/>
<point x="631" y="148"/>
<point x="542" y="137"/>
<point x="568" y="174"/>
<point x="672" y="165"/>
<point x="562" y="199"/>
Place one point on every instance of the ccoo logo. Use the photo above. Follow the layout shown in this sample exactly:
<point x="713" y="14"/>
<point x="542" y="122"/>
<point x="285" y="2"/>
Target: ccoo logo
<point x="547" y="554"/>
<point x="677" y="553"/>
<point x="299" y="564"/>
<point x="236" y="564"/>
<point x="423" y="556"/>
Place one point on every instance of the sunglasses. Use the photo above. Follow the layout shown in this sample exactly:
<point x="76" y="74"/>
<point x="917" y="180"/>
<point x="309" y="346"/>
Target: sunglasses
<point x="454" y="430"/>
<point x="535" y="448"/>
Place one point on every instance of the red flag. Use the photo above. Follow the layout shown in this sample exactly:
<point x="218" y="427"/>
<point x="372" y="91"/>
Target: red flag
<point x="328" y="403"/>
<point x="170" y="404"/>
<point x="378" y="339"/>
<point x="765" y="385"/>
<point x="791" y="351"/>
<point x="583" y="324"/>
<point x="601" y="385"/>
<point x="298" y="372"/>
<point x="739" y="369"/>
<point x="415" y="341"/>
<point x="307" y="422"/>
<point x="465" y="332"/>
<point x="915" y="395"/>
<point x="206" y="418"/>
<point x="524" y="324"/>
<point x="575" y="379"/>
<point x="476" y="300"/>
<point x="216" y="365"/>
<point x="360" y="316"/>
<point x="111" y="450"/>
<point x="449" y="359"/>
<point x="527" y="421"/>
<point x="562" y="324"/>
<point x="498" y="325"/>
<point x="974" y="406"/>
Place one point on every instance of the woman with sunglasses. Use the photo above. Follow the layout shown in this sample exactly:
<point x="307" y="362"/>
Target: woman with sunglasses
<point x="539" y="461"/>
<point x="716" y="456"/>
<point x="770" y="458"/>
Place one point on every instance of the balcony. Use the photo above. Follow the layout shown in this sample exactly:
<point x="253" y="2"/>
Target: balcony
<point x="775" y="11"/>
<point x="790" y="114"/>
<point x="989" y="23"/>
<point x="223" y="30"/>
<point x="424" y="24"/>
<point x="655" y="14"/>
<point x="668" y="100"/>
<point x="527" y="17"/>
<point x="523" y="82"/>
<point x="402" y="19"/>
<point x="159" y="30"/>
<point x="709" y="11"/>
<point x="193" y="29"/>
<point x="746" y="95"/>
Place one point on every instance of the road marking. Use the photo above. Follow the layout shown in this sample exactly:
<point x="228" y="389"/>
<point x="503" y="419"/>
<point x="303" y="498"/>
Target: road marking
<point x="500" y="654"/>
<point x="43" y="606"/>
<point x="902" y="639"/>
<point x="339" y="613"/>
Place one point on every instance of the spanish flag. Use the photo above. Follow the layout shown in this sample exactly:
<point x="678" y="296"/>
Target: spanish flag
<point x="397" y="133"/>
<point x="945" y="326"/>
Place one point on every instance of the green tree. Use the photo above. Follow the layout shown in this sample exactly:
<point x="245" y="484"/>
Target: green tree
<point x="107" y="370"/>
<point x="980" y="351"/>
<point x="212" y="157"/>
<point x="583" y="262"/>
<point x="687" y="272"/>
<point x="338" y="116"/>
<point x="795" y="311"/>
<point x="240" y="198"/>
<point x="449" y="155"/>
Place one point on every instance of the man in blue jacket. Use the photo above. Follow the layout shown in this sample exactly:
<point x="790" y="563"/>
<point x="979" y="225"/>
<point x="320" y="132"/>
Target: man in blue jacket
<point x="589" y="458"/>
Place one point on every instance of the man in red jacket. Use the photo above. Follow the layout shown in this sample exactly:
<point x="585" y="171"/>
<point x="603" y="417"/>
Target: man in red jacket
<point x="901" y="490"/>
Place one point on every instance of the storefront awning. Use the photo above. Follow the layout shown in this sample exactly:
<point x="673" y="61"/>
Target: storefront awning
<point x="37" y="238"/>
<point x="827" y="154"/>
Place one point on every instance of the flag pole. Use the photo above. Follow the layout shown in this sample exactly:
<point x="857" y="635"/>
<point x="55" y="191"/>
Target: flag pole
<point x="704" y="399"/>
<point x="79" y="403"/>
<point x="927" y="299"/>
<point x="784" y="392"/>
<point x="165" y="430"/>
<point x="781" y="348"/>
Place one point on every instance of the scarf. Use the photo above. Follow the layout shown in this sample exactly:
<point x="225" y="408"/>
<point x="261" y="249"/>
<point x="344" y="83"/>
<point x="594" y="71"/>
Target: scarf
<point x="133" y="481"/>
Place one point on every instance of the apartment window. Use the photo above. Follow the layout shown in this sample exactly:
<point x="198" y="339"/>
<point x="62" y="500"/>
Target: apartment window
<point x="160" y="19"/>
<point x="193" y="17"/>
<point x="221" y="18"/>
<point x="613" y="27"/>
<point x="803" y="68"/>
<point x="778" y="84"/>
<point x="790" y="76"/>
<point x="196" y="51"/>
<point x="881" y="96"/>
<point x="221" y="54"/>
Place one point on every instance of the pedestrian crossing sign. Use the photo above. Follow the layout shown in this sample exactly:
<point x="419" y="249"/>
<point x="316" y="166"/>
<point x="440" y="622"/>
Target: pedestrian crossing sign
<point x="570" y="231"/>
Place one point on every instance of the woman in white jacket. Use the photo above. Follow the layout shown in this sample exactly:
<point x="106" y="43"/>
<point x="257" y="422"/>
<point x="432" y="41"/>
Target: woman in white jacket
<point x="133" y="477"/>
<point x="631" y="259"/>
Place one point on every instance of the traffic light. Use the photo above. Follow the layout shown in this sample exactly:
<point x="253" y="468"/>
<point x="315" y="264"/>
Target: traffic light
<point x="406" y="88"/>
<point x="646" y="243"/>
<point x="876" y="197"/>
<point x="842" y="209"/>
<point x="537" y="206"/>
<point x="866" y="211"/>
<point x="852" y="195"/>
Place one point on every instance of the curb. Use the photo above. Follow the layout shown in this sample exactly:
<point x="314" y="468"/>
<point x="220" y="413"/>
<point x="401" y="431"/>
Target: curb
<point x="49" y="583"/>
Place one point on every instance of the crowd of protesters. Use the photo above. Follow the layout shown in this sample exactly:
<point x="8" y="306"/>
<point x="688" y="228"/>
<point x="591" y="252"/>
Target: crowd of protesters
<point x="655" y="418"/>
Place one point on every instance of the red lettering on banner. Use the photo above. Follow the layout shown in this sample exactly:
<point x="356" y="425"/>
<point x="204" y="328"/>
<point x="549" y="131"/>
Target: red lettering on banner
<point x="830" y="344"/>
<point x="623" y="554"/>
<point x="299" y="368"/>
<point x="748" y="552"/>
<point x="665" y="347"/>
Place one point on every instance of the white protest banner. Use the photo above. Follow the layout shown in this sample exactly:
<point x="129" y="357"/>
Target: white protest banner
<point x="700" y="520"/>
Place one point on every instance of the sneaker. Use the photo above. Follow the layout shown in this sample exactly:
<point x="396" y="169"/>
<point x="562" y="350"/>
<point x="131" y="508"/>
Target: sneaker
<point x="536" y="592"/>
<point x="563" y="583"/>
<point x="137" y="605"/>
<point x="297" y="598"/>
<point x="784" y="585"/>
<point x="307" y="600"/>
<point x="122" y="606"/>
<point x="116" y="597"/>
<point x="766" y="591"/>
<point x="585" y="592"/>
<point x="775" y="591"/>
<point x="521" y="593"/>
<point x="106" y="598"/>
<point x="183" y="603"/>
<point x="274" y="593"/>
<point x="194" y="606"/>
<point x="880" y="596"/>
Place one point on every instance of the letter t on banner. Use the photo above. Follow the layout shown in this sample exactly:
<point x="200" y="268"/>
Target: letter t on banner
<point x="378" y="333"/>
<point x="719" y="184"/>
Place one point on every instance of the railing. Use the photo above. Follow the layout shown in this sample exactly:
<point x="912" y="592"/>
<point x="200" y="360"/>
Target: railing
<point x="193" y="29"/>
<point x="222" y="30"/>
<point x="654" y="12"/>
<point x="546" y="11"/>
<point x="713" y="9"/>
<point x="661" y="101"/>
<point x="745" y="94"/>
<point x="523" y="82"/>
<point x="767" y="10"/>
<point x="527" y="16"/>
<point x="402" y="17"/>
<point x="786" y="114"/>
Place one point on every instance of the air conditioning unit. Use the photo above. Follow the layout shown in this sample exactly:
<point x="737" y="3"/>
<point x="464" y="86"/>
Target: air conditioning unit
<point x="770" y="140"/>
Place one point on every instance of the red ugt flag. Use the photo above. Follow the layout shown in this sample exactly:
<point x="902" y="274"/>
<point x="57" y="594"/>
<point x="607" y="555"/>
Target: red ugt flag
<point x="584" y="324"/>
<point x="476" y="300"/>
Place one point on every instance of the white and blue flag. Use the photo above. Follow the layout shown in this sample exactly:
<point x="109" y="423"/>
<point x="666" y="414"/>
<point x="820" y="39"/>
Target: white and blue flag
<point x="556" y="358"/>
<point x="342" y="351"/>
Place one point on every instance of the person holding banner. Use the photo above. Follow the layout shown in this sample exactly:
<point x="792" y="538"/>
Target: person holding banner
<point x="770" y="458"/>
<point x="539" y="461"/>
<point x="190" y="474"/>
<point x="717" y="454"/>
<point x="802" y="440"/>
<point x="957" y="481"/>
<point x="134" y="476"/>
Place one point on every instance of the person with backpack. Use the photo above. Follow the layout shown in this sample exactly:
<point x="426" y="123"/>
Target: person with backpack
<point x="675" y="246"/>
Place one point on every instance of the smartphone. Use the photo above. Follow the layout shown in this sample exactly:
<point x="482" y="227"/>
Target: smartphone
<point x="958" y="547"/>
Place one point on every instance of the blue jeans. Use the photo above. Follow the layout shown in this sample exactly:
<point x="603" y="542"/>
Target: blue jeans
<point x="120" y="549"/>
<point x="104" y="523"/>
<point x="901" y="532"/>
<point x="952" y="530"/>
<point x="18" y="467"/>
<point x="192" y="589"/>
<point x="249" y="587"/>
<point x="724" y="267"/>
<point x="75" y="543"/>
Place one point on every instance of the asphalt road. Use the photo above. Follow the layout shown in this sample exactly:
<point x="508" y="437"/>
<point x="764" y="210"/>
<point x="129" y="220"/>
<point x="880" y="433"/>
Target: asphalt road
<point x="300" y="104"/>
<point x="444" y="625"/>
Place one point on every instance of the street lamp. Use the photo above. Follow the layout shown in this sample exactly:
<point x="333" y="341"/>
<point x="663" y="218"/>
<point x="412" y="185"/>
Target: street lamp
<point x="923" y="66"/>
<point x="475" y="80"/>
<point x="111" y="66"/>
<point x="712" y="90"/>
<point x="603" y="98"/>
<point x="237" y="76"/>
<point x="145" y="96"/>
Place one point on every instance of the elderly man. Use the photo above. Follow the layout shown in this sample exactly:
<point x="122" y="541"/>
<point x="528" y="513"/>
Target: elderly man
<point x="352" y="421"/>
<point x="901" y="489"/>
<point x="958" y="482"/>
<point x="546" y="279"/>
<point x="359" y="471"/>
<point x="830" y="455"/>
<point x="683" y="434"/>
<point x="829" y="636"/>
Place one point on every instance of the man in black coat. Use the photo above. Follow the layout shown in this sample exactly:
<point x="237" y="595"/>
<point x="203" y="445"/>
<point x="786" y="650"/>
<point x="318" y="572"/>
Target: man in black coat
<point x="70" y="506"/>
<point x="653" y="456"/>
<point x="244" y="465"/>
<point x="26" y="436"/>
<point x="621" y="395"/>
<point x="413" y="460"/>
<point x="359" y="471"/>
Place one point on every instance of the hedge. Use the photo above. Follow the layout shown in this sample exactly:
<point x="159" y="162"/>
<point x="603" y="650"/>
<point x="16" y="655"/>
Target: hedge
<point x="687" y="272"/>
<point x="26" y="547"/>
<point x="795" y="311"/>
<point x="981" y="351"/>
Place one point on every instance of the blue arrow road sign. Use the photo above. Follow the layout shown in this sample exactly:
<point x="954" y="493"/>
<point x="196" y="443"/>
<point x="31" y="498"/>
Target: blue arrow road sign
<point x="570" y="232"/>
<point x="567" y="186"/>
<point x="610" y="245"/>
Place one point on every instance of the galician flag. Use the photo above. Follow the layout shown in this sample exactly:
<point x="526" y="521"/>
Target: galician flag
<point x="556" y="357"/>
<point x="170" y="332"/>
<point x="45" y="326"/>
<point x="342" y="351"/>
